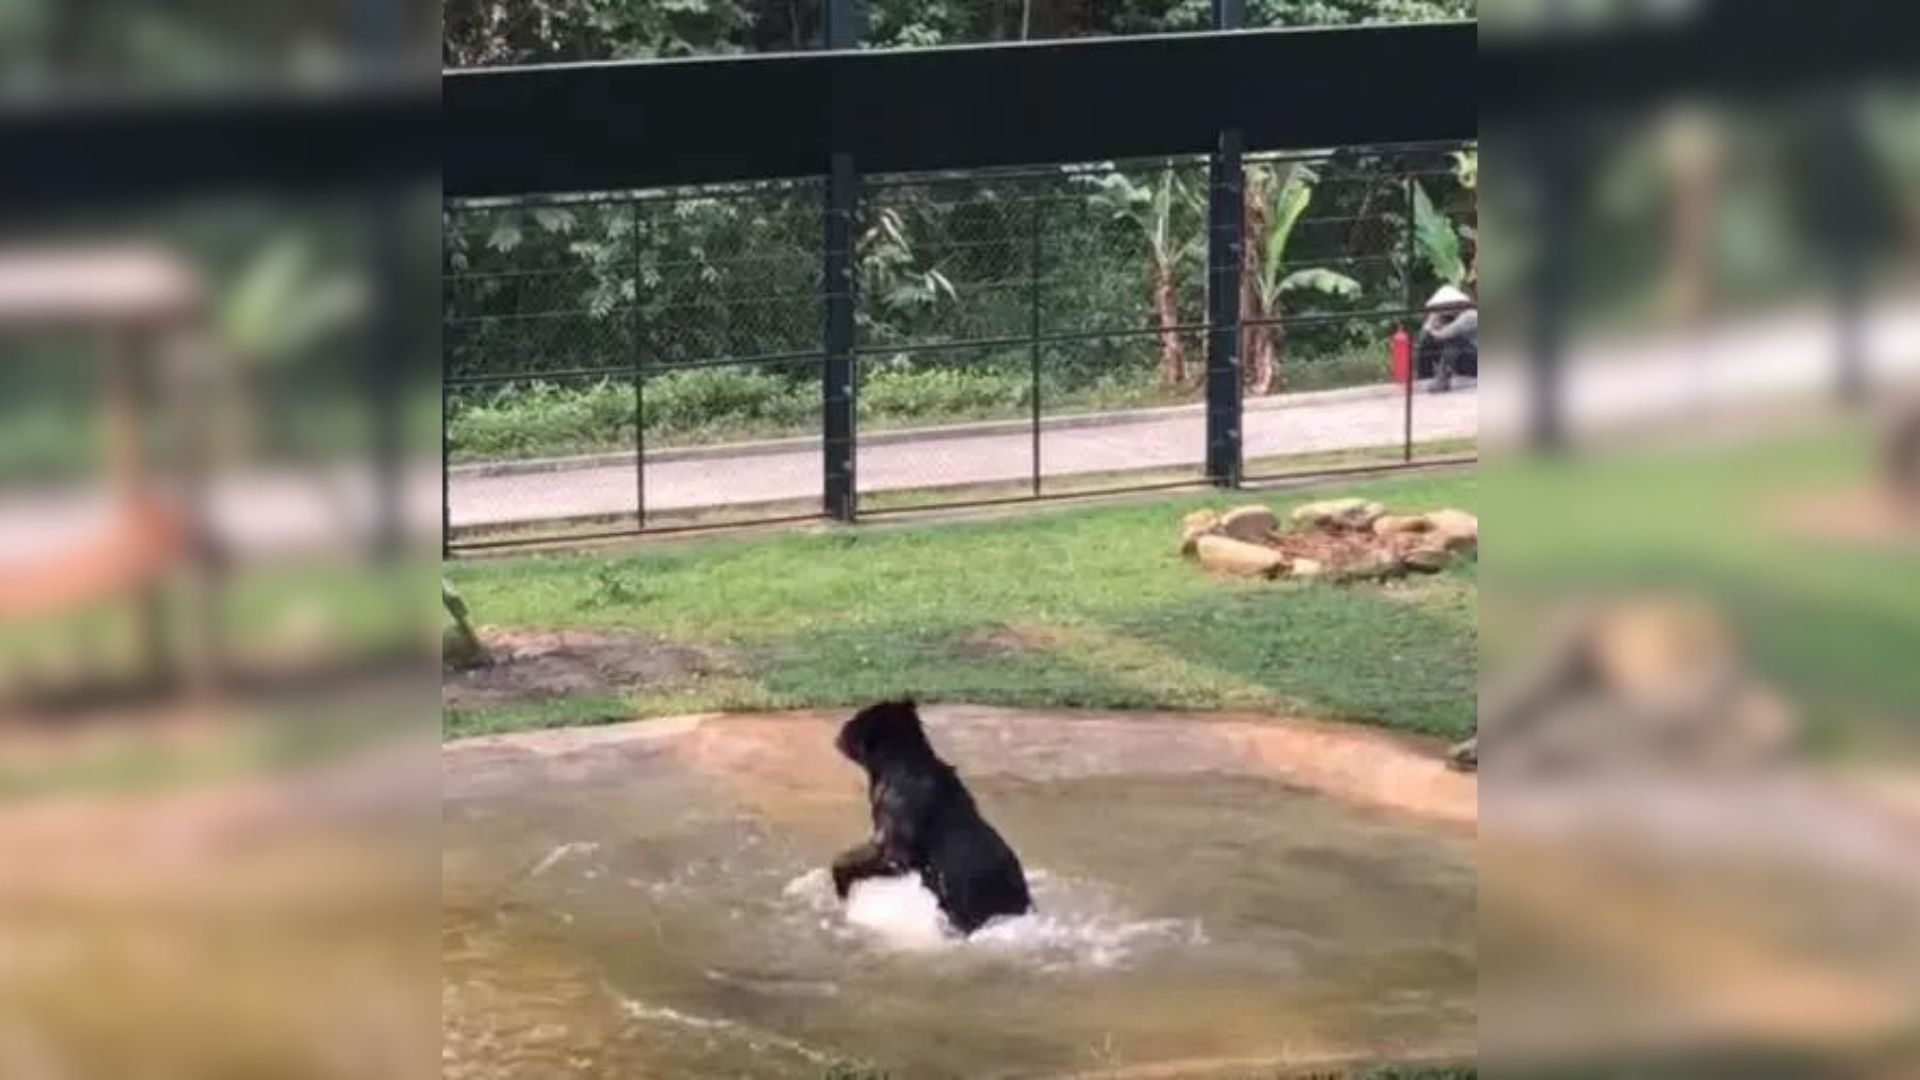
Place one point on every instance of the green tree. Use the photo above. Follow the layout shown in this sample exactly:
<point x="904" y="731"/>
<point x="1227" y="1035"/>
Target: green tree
<point x="892" y="275"/>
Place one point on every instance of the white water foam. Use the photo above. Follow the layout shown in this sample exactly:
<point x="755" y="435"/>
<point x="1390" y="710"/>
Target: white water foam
<point x="1071" y="925"/>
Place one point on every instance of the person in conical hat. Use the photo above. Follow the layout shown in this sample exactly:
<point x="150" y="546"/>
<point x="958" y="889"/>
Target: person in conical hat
<point x="1449" y="338"/>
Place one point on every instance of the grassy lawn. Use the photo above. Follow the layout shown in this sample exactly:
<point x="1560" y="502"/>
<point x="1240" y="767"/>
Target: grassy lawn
<point x="1088" y="607"/>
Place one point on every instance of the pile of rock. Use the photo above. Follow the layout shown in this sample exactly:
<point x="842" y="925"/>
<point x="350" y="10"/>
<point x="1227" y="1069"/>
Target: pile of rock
<point x="1633" y="684"/>
<point x="1336" y="539"/>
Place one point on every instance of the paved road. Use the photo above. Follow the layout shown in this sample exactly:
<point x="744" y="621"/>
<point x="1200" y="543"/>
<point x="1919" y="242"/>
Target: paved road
<point x="1669" y="376"/>
<point x="1641" y="379"/>
<point x="1160" y="438"/>
<point x="1679" y="378"/>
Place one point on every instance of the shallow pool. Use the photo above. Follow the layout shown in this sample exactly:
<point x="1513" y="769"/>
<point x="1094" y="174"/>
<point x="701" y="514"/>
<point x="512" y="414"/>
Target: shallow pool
<point x="648" y="901"/>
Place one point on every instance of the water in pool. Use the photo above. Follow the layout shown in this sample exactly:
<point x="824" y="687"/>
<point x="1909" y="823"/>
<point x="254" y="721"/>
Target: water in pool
<point x="657" y="907"/>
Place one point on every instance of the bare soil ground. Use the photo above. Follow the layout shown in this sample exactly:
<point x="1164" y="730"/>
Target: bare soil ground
<point x="534" y="665"/>
<point x="1868" y="516"/>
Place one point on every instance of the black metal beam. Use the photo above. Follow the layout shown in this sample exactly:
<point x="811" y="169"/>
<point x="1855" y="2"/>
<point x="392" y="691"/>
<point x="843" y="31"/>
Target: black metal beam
<point x="583" y="127"/>
<point x="1720" y="49"/>
<point x="1226" y="240"/>
<point x="101" y="152"/>
<point x="839" y="373"/>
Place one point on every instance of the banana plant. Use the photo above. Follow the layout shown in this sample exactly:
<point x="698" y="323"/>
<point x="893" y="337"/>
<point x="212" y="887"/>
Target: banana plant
<point x="1277" y="197"/>
<point x="1160" y="209"/>
<point x="1437" y="240"/>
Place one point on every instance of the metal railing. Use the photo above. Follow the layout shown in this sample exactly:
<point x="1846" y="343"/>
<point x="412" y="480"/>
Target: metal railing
<point x="675" y="358"/>
<point x="832" y="290"/>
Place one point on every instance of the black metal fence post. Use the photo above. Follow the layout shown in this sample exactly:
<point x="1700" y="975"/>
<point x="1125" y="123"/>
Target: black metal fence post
<point x="838" y="372"/>
<point x="1226" y="224"/>
<point x="446" y="391"/>
<point x="838" y="375"/>
<point x="636" y="343"/>
<point x="1226" y="227"/>
<point x="446" y="471"/>
<point x="1033" y="320"/>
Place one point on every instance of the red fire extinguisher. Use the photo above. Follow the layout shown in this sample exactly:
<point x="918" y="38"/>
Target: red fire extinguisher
<point x="1402" y="355"/>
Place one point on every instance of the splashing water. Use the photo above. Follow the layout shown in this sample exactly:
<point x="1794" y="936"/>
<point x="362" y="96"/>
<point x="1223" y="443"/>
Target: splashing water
<point x="1071" y="925"/>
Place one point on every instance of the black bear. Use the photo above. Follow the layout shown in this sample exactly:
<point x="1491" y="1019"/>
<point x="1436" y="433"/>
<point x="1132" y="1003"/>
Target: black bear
<point x="925" y="821"/>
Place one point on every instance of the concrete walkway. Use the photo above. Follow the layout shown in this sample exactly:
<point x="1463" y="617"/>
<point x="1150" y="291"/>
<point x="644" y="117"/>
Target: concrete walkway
<point x="1666" y="377"/>
<point x="968" y="454"/>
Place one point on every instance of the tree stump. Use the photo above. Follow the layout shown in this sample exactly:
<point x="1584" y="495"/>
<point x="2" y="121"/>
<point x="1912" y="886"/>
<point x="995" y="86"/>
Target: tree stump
<point x="460" y="647"/>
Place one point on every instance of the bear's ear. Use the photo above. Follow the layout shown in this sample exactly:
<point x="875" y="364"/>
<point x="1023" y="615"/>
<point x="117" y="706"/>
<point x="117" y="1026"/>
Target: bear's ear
<point x="852" y="740"/>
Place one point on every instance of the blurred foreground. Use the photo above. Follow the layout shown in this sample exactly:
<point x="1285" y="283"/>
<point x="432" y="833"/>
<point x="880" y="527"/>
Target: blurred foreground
<point x="218" y="777"/>
<point x="1700" y="710"/>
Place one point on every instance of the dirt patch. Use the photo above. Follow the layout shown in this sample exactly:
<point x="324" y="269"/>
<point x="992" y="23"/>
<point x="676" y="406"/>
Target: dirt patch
<point x="1341" y="548"/>
<point x="1001" y="641"/>
<point x="538" y="665"/>
<point x="1870" y="517"/>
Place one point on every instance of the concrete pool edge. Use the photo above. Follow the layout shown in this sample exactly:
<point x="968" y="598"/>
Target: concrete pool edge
<point x="1354" y="763"/>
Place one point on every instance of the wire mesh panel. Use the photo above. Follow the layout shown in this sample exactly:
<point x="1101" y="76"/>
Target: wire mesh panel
<point x="1449" y="238"/>
<point x="731" y="332"/>
<point x="660" y="360"/>
<point x="1124" y="347"/>
<point x="1344" y="251"/>
<point x="599" y="347"/>
<point x="948" y="280"/>
<point x="539" y="339"/>
<point x="1003" y="312"/>
<point x="731" y="442"/>
<point x="518" y="466"/>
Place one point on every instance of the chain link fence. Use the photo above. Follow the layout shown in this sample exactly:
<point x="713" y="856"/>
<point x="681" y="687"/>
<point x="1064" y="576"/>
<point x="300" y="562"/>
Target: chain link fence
<point x="659" y="360"/>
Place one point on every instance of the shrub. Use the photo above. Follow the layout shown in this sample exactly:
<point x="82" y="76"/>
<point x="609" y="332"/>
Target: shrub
<point x="722" y="399"/>
<point x="536" y="418"/>
<point x="943" y="393"/>
<point x="1354" y="367"/>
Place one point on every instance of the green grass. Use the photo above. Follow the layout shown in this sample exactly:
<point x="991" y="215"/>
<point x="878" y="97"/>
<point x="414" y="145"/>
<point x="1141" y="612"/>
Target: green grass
<point x="1104" y="611"/>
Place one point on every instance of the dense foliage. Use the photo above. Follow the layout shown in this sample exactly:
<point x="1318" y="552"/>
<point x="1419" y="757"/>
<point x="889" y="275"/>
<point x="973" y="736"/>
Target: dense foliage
<point x="1085" y="284"/>
<point x="480" y="32"/>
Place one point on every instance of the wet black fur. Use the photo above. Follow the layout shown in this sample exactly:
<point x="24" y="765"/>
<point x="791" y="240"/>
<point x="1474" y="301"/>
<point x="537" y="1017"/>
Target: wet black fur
<point x="924" y="820"/>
